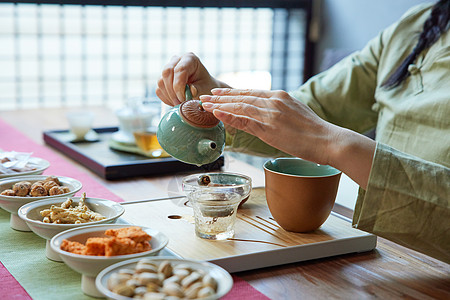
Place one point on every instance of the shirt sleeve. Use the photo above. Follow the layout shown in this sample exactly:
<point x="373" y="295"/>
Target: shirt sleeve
<point x="407" y="201"/>
<point x="343" y="95"/>
<point x="244" y="142"/>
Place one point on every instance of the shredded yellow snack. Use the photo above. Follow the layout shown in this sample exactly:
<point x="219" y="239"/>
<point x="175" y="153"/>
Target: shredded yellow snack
<point x="66" y="214"/>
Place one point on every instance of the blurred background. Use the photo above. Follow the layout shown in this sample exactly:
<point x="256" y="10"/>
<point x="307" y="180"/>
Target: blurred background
<point x="72" y="55"/>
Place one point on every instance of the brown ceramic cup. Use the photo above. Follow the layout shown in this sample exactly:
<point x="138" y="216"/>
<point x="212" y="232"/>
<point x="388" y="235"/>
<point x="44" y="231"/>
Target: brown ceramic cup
<point x="300" y="194"/>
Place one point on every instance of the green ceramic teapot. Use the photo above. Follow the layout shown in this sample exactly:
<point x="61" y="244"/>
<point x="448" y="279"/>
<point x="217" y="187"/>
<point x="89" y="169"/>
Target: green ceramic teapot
<point x="190" y="134"/>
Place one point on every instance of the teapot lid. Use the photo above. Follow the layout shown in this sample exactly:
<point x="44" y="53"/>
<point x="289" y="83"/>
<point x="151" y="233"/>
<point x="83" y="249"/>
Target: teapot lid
<point x="193" y="113"/>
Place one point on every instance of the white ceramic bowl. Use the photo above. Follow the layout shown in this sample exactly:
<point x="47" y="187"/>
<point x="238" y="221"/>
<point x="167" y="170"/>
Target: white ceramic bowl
<point x="30" y="213"/>
<point x="13" y="203"/>
<point x="223" y="182"/>
<point x="222" y="277"/>
<point x="41" y="166"/>
<point x="89" y="266"/>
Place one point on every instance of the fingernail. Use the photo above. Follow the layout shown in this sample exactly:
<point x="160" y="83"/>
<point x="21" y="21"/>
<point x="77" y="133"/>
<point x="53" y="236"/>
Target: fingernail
<point x="207" y="105"/>
<point x="219" y="114"/>
<point x="218" y="91"/>
<point x="193" y="91"/>
<point x="205" y="97"/>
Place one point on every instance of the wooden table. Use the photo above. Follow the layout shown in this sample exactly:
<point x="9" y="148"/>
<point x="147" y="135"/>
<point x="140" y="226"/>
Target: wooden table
<point x="391" y="271"/>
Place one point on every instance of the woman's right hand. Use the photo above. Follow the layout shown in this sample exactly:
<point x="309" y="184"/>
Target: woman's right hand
<point x="182" y="70"/>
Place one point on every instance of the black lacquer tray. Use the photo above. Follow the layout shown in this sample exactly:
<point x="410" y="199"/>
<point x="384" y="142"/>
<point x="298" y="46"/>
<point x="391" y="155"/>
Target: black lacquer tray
<point x="108" y="163"/>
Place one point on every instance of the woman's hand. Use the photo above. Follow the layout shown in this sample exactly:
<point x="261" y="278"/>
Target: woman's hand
<point x="287" y="124"/>
<point x="182" y="70"/>
<point x="276" y="118"/>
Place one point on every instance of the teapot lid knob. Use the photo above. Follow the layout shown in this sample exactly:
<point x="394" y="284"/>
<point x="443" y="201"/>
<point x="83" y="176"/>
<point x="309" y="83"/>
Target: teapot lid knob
<point x="193" y="113"/>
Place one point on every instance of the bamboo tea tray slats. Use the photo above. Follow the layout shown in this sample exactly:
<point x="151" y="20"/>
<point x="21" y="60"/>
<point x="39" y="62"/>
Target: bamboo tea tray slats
<point x="258" y="242"/>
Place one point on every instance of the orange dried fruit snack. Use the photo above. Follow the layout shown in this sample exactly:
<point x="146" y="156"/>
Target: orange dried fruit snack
<point x="73" y="247"/>
<point x="96" y="246"/>
<point x="120" y="246"/>
<point x="121" y="241"/>
<point x="135" y="233"/>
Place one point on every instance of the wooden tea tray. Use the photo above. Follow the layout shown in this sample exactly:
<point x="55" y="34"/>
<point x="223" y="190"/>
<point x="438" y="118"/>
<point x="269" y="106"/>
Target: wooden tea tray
<point x="258" y="242"/>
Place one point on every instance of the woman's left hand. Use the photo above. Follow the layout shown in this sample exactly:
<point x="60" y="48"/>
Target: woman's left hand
<point x="276" y="118"/>
<point x="289" y="125"/>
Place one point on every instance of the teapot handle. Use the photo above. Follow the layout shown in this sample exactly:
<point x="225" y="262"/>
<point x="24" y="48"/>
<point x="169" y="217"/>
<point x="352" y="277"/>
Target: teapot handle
<point x="187" y="93"/>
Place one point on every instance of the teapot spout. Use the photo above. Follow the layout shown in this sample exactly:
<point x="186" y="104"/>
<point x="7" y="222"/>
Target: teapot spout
<point x="206" y="146"/>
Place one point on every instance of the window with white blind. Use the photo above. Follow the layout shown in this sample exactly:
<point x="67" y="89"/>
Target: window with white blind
<point x="77" y="55"/>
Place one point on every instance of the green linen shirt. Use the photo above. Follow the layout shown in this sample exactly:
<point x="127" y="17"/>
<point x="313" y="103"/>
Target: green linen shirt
<point x="407" y="199"/>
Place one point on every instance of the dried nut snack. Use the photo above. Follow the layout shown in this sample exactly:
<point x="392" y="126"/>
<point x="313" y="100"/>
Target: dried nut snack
<point x="22" y="188"/>
<point x="38" y="191"/>
<point x="53" y="178"/>
<point x="66" y="214"/>
<point x="8" y="192"/>
<point x="165" y="268"/>
<point x="50" y="186"/>
<point x="172" y="281"/>
<point x="39" y="182"/>
<point x="58" y="190"/>
<point x="143" y="267"/>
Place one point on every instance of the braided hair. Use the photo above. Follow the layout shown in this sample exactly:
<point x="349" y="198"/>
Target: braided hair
<point x="436" y="24"/>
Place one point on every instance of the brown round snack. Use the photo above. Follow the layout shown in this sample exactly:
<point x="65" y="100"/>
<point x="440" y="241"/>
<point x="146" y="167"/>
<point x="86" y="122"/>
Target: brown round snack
<point x="37" y="183"/>
<point x="53" y="178"/>
<point x="38" y="191"/>
<point x="49" y="184"/>
<point x="193" y="113"/>
<point x="56" y="190"/>
<point x="204" y="180"/>
<point x="8" y="192"/>
<point x="22" y="188"/>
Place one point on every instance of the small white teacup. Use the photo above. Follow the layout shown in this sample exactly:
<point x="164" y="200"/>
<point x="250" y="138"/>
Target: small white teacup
<point x="80" y="123"/>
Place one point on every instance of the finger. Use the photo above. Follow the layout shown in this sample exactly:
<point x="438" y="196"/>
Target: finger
<point x="242" y="92"/>
<point x="160" y="92"/>
<point x="247" y="124"/>
<point x="238" y="108"/>
<point x="167" y="75"/>
<point x="182" y="71"/>
<point x="163" y="97"/>
<point x="233" y="99"/>
<point x="214" y="102"/>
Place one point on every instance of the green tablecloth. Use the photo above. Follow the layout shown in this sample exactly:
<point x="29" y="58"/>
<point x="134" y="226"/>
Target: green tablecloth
<point x="23" y="254"/>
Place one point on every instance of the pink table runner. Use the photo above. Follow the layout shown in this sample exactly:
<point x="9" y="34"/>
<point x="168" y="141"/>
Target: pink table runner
<point x="13" y="140"/>
<point x="9" y="287"/>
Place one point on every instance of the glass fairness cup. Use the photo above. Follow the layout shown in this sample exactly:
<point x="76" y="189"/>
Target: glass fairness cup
<point x="214" y="213"/>
<point x="223" y="182"/>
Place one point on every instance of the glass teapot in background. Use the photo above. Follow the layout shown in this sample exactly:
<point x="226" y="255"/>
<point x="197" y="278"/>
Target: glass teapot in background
<point x="190" y="134"/>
